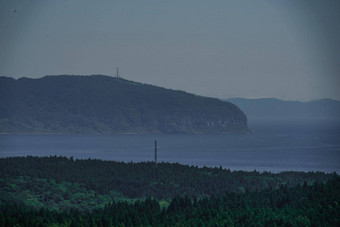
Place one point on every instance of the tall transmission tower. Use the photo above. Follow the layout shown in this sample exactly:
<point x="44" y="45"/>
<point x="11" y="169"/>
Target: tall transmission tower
<point x="156" y="151"/>
<point x="117" y="74"/>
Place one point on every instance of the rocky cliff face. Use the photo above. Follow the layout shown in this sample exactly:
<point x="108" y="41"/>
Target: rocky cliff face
<point x="102" y="104"/>
<point x="207" y="125"/>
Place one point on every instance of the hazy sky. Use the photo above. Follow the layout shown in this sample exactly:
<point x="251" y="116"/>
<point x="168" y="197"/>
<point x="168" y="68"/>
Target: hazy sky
<point x="283" y="49"/>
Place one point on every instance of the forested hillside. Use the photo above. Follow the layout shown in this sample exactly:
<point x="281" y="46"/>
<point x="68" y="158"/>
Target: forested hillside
<point x="49" y="191"/>
<point x="60" y="182"/>
<point x="314" y="205"/>
<point x="103" y="104"/>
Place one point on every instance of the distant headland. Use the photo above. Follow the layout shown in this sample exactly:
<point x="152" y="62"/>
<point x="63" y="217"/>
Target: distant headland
<point x="102" y="104"/>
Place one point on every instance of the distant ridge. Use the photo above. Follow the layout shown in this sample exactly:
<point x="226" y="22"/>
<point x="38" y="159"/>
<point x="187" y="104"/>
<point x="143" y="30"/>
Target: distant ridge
<point x="103" y="104"/>
<point x="270" y="108"/>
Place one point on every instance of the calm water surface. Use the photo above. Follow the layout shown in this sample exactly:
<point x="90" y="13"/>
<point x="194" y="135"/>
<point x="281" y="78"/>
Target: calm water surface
<point x="274" y="147"/>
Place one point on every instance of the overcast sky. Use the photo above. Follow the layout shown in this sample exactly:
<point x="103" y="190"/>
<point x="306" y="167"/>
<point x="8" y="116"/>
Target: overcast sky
<point x="284" y="49"/>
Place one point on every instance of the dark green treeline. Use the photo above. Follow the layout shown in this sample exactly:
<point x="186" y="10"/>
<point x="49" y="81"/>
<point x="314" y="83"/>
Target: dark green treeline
<point x="315" y="205"/>
<point x="60" y="191"/>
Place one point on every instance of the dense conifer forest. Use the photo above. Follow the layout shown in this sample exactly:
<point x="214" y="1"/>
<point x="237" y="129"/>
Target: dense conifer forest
<point x="61" y="191"/>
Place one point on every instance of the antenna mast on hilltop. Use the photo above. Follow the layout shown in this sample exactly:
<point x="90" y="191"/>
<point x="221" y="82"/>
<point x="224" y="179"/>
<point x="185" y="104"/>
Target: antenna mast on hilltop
<point x="117" y="74"/>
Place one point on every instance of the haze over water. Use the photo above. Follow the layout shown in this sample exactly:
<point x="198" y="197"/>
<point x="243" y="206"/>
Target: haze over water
<point x="274" y="147"/>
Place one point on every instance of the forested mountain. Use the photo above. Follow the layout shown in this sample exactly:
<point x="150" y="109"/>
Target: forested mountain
<point x="275" y="109"/>
<point x="103" y="104"/>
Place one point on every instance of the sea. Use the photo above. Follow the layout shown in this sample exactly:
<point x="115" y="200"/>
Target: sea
<point x="272" y="146"/>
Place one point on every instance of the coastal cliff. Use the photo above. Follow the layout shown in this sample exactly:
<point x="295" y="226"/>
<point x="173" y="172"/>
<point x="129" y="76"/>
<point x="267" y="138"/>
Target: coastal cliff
<point x="103" y="104"/>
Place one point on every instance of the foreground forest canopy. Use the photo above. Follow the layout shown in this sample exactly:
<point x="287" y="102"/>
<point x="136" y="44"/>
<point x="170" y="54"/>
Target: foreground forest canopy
<point x="63" y="191"/>
<point x="103" y="104"/>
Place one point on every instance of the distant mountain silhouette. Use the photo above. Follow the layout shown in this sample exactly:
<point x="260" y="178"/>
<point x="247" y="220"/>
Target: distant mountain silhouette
<point x="103" y="104"/>
<point x="271" y="109"/>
